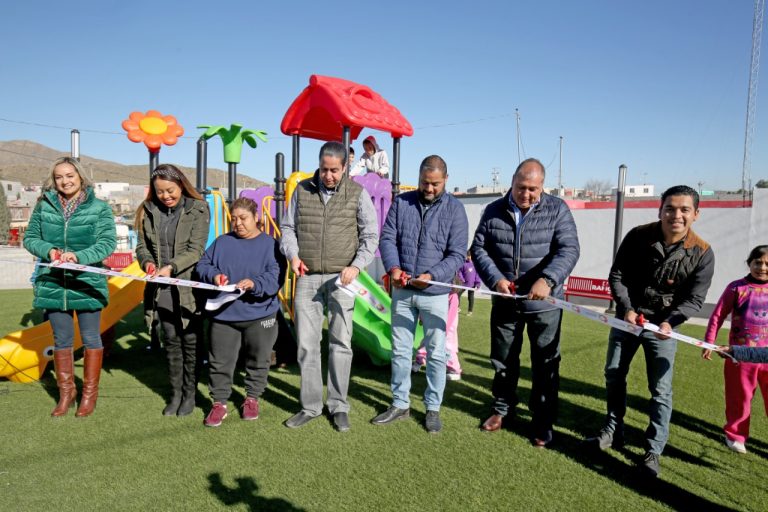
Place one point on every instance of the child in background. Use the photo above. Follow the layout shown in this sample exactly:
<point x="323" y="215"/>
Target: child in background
<point x="746" y="300"/>
<point x="373" y="159"/>
<point x="453" y="367"/>
<point x="468" y="277"/>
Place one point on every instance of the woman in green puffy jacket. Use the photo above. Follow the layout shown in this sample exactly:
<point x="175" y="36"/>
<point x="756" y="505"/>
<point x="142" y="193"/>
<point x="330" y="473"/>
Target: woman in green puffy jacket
<point x="172" y="226"/>
<point x="70" y="225"/>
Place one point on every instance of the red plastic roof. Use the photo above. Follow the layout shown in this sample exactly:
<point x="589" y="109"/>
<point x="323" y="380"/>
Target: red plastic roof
<point x="328" y="104"/>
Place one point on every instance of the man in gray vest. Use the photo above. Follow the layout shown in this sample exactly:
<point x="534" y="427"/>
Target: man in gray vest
<point x="329" y="232"/>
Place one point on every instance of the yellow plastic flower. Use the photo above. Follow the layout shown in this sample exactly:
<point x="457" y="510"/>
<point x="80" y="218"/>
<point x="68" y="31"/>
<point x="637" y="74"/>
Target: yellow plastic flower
<point x="153" y="129"/>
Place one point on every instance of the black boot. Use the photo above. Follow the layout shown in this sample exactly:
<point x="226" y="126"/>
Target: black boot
<point x="189" y="387"/>
<point x="175" y="377"/>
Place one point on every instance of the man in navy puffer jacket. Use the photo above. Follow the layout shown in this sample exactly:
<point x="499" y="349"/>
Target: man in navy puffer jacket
<point x="425" y="239"/>
<point x="526" y="243"/>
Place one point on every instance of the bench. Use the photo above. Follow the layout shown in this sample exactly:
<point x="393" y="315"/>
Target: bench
<point x="588" y="287"/>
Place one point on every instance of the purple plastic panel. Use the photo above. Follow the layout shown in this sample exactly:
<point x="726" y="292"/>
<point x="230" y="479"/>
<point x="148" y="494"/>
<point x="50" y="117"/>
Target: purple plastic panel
<point x="258" y="195"/>
<point x="380" y="190"/>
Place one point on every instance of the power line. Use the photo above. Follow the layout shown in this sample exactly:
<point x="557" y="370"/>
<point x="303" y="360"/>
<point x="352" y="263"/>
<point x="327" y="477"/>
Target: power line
<point x="107" y="132"/>
<point x="29" y="123"/>
<point x="469" y="121"/>
<point x="85" y="164"/>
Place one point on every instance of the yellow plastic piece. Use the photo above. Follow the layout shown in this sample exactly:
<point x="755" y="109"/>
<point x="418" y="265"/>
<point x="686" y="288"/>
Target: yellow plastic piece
<point x="292" y="181"/>
<point x="25" y="354"/>
<point x="153" y="125"/>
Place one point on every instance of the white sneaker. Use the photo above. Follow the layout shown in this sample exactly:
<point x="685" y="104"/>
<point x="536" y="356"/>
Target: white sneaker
<point x="452" y="376"/>
<point x="736" y="446"/>
<point x="416" y="367"/>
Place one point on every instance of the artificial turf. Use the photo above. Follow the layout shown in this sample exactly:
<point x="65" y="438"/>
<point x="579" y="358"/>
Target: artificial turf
<point x="127" y="456"/>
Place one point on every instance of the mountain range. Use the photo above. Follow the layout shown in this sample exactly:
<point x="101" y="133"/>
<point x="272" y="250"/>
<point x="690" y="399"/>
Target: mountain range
<point x="30" y="163"/>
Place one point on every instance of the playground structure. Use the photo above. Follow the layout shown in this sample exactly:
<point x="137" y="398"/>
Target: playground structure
<point x="327" y="109"/>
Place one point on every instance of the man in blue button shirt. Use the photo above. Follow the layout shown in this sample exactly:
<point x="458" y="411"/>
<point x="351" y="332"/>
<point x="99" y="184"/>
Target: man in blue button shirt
<point x="526" y="244"/>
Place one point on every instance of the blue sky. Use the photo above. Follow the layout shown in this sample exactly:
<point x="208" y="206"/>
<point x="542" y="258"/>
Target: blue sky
<point x="657" y="85"/>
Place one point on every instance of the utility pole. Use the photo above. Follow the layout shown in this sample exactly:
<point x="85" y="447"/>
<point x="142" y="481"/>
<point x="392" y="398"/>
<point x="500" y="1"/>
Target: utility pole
<point x="560" y="173"/>
<point x="619" y="223"/>
<point x="517" y="121"/>
<point x="495" y="177"/>
<point x="700" y="184"/>
<point x="749" y="130"/>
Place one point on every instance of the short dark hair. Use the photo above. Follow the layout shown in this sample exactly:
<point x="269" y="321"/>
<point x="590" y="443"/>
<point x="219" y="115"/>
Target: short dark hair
<point x="433" y="163"/>
<point x="529" y="161"/>
<point x="681" y="190"/>
<point x="334" y="150"/>
<point x="757" y="253"/>
<point x="351" y="150"/>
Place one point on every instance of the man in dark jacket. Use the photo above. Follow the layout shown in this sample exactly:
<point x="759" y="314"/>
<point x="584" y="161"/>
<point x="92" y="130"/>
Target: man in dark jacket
<point x="526" y="243"/>
<point x="662" y="271"/>
<point x="423" y="239"/>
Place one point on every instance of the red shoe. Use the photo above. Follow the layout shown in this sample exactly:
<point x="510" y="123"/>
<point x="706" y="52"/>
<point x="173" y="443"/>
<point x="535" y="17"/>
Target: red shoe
<point x="250" y="409"/>
<point x="216" y="416"/>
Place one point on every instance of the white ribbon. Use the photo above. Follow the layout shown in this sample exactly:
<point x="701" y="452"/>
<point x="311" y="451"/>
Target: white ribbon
<point x="597" y="317"/>
<point x="149" y="279"/>
<point x="210" y="305"/>
<point x="356" y="289"/>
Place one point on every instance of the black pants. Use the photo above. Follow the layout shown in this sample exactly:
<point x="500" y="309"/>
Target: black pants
<point x="181" y="345"/>
<point x="470" y="300"/>
<point x="507" y="325"/>
<point x="257" y="337"/>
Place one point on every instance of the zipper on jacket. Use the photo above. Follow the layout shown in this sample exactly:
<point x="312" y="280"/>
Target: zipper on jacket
<point x="518" y="242"/>
<point x="421" y="232"/>
<point x="322" y="232"/>
<point x="66" y="225"/>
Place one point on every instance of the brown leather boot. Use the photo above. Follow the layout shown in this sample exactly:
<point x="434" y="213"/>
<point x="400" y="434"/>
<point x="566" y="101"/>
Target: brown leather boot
<point x="91" y="374"/>
<point x="65" y="379"/>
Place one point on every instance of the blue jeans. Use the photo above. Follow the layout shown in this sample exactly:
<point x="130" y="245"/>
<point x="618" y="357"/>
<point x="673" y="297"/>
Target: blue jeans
<point x="63" y="325"/>
<point x="659" y="367"/>
<point x="407" y="307"/>
<point x="508" y="322"/>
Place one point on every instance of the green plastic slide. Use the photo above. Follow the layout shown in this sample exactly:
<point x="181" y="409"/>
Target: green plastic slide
<point x="371" y="327"/>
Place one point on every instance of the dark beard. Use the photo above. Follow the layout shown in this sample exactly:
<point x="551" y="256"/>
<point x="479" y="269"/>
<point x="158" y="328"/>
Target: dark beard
<point x="429" y="201"/>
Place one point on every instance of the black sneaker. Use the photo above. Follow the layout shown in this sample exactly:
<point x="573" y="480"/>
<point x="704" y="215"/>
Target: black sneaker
<point x="651" y="466"/>
<point x="607" y="438"/>
<point x="433" y="423"/>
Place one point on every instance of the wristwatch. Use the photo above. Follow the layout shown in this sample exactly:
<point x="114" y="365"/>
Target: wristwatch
<point x="549" y="281"/>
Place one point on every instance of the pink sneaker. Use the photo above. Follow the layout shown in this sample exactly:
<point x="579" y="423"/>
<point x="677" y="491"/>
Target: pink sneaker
<point x="216" y="416"/>
<point x="250" y="409"/>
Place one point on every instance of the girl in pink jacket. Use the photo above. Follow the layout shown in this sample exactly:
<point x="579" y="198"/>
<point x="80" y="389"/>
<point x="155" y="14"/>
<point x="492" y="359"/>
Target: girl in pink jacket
<point x="746" y="300"/>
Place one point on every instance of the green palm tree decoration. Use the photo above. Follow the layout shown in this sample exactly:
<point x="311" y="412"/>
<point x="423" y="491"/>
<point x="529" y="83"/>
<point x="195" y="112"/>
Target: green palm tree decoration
<point x="233" y="139"/>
